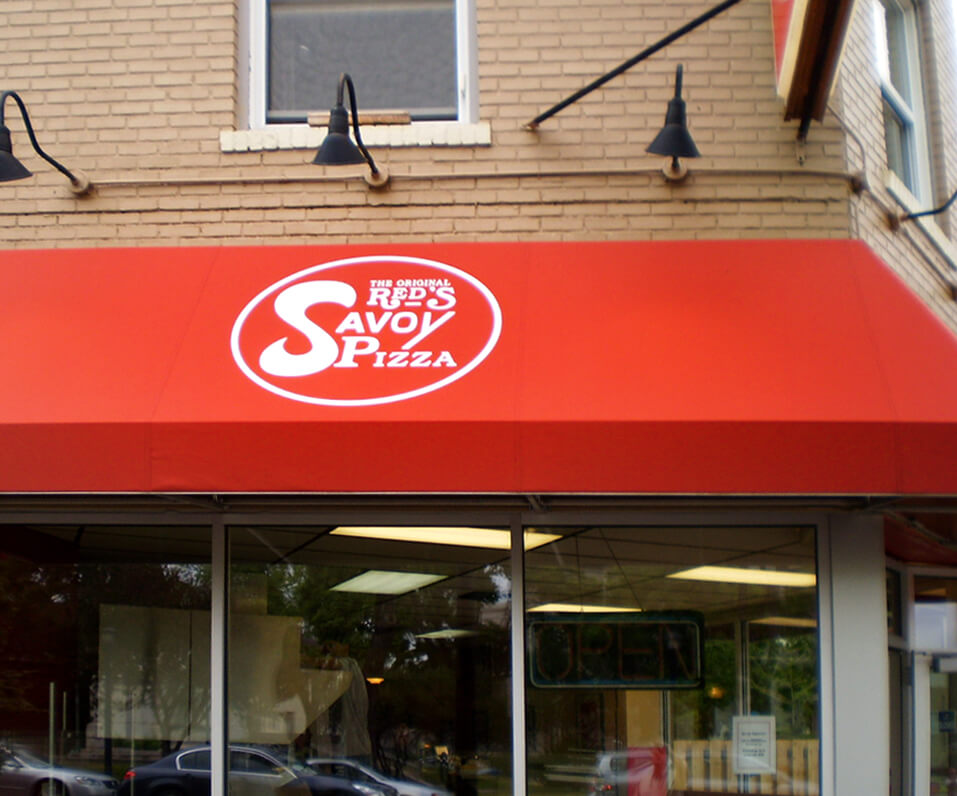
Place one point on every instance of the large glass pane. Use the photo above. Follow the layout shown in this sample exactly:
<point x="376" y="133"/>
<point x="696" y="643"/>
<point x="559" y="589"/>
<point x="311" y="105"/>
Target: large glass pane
<point x="891" y="47"/>
<point x="400" y="53"/>
<point x="363" y="658"/>
<point x="104" y="654"/>
<point x="935" y="613"/>
<point x="677" y="660"/>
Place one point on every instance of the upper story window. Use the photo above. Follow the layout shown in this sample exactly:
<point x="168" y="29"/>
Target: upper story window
<point x="410" y="55"/>
<point x="899" y="69"/>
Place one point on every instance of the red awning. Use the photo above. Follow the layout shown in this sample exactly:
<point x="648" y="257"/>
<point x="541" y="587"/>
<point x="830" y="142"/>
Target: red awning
<point x="759" y="367"/>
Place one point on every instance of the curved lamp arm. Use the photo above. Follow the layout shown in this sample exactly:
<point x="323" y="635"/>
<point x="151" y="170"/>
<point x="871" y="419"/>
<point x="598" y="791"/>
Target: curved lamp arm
<point x="933" y="212"/>
<point x="346" y="81"/>
<point x="79" y="184"/>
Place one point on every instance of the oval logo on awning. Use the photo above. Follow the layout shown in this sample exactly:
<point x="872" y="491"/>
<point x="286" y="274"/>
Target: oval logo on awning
<point x="366" y="330"/>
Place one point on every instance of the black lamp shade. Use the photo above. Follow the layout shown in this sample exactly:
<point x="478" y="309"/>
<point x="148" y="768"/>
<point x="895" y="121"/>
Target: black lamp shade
<point x="10" y="167"/>
<point x="674" y="140"/>
<point x="337" y="148"/>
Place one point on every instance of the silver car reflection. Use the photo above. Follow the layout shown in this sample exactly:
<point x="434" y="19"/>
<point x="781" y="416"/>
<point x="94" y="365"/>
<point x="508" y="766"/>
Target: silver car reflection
<point x="22" y="774"/>
<point x="359" y="774"/>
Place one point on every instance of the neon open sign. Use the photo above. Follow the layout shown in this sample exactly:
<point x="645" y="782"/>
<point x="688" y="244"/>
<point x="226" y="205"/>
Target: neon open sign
<point x="661" y="650"/>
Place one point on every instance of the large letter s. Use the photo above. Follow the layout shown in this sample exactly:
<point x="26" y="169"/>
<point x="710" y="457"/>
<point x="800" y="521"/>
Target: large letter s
<point x="291" y="306"/>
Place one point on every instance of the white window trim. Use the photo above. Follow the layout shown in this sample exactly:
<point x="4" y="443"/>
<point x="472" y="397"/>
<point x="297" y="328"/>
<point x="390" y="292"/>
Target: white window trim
<point x="912" y="114"/>
<point x="256" y="135"/>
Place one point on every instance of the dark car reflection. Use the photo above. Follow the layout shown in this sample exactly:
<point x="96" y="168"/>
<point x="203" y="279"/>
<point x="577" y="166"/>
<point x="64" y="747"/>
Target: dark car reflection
<point x="252" y="772"/>
<point x="23" y="774"/>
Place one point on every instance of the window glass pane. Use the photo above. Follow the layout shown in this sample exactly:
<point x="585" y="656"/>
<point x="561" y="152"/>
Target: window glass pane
<point x="387" y="654"/>
<point x="935" y="613"/>
<point x="635" y="703"/>
<point x="399" y="53"/>
<point x="900" y="158"/>
<point x="104" y="652"/>
<point x="881" y="54"/>
<point x="897" y="50"/>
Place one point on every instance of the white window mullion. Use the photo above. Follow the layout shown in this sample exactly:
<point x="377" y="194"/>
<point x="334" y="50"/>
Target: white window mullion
<point x="519" y="773"/>
<point x="467" y="60"/>
<point x="901" y="109"/>
<point x="257" y="61"/>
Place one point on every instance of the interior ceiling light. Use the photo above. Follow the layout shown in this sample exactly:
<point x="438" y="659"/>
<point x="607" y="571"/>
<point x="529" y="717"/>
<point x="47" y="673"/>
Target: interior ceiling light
<point x="337" y="148"/>
<point x="785" y="621"/>
<point x="751" y="577"/>
<point x="457" y="537"/>
<point x="375" y="680"/>
<point x="449" y="633"/>
<point x="378" y="581"/>
<point x="13" y="169"/>
<point x="581" y="608"/>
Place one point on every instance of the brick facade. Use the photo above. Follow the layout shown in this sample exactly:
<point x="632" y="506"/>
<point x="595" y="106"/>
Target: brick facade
<point x="142" y="95"/>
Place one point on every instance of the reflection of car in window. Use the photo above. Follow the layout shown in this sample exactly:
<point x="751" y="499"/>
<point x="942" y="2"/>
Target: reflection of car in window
<point x="359" y="774"/>
<point x="22" y="774"/>
<point x="643" y="768"/>
<point x="252" y="772"/>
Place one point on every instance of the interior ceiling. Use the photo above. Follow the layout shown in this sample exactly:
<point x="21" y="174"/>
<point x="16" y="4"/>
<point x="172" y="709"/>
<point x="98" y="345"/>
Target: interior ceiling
<point x="611" y="565"/>
<point x="619" y="566"/>
<point x="926" y="536"/>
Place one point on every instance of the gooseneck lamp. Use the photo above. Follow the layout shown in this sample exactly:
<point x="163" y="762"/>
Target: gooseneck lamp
<point x="337" y="148"/>
<point x="674" y="140"/>
<point x="13" y="169"/>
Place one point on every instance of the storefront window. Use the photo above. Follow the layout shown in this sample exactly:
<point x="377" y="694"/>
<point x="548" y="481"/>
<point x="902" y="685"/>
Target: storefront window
<point x="104" y="653"/>
<point x="361" y="658"/>
<point x="673" y="659"/>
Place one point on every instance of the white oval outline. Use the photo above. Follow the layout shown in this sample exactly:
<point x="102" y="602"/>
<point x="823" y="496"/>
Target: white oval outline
<point x="477" y="360"/>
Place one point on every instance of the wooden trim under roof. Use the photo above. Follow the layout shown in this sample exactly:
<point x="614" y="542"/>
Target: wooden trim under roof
<point x="823" y="30"/>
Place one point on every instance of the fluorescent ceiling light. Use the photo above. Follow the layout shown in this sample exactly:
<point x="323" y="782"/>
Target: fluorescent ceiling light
<point x="458" y="537"/>
<point x="785" y="621"/>
<point x="579" y="608"/>
<point x="449" y="633"/>
<point x="377" y="581"/>
<point x="752" y="577"/>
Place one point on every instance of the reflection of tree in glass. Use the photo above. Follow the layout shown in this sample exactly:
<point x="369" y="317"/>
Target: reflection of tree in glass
<point x="706" y="712"/>
<point x="427" y="682"/>
<point x="784" y="683"/>
<point x="304" y="591"/>
<point x="49" y="631"/>
<point x="37" y="639"/>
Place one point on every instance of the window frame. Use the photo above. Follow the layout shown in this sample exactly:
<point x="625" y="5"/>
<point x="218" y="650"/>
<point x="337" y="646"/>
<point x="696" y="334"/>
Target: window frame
<point x="254" y="33"/>
<point x="909" y="114"/>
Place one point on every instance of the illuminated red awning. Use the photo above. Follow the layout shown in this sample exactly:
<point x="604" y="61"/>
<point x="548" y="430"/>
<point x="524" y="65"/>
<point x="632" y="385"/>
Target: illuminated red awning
<point x="759" y="367"/>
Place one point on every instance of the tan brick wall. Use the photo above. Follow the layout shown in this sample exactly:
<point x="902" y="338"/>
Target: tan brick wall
<point x="909" y="250"/>
<point x="136" y="92"/>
